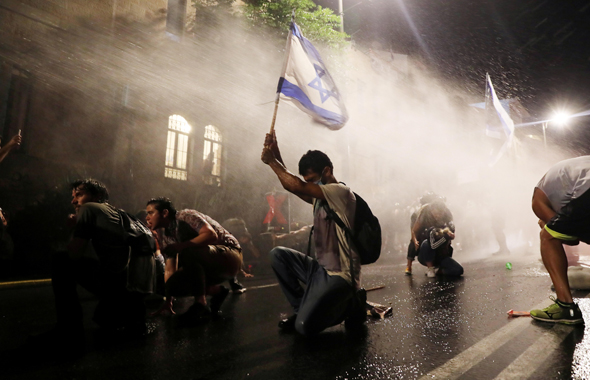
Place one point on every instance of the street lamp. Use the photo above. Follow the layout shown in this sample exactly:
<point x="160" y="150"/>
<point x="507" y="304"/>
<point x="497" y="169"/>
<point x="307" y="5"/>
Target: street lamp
<point x="560" y="118"/>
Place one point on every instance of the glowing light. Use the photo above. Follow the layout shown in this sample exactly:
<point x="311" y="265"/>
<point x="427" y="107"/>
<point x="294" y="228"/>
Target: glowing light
<point x="560" y="118"/>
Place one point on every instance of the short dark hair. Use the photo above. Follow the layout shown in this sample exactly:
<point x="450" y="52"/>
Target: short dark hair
<point x="96" y="188"/>
<point x="314" y="160"/>
<point x="163" y="203"/>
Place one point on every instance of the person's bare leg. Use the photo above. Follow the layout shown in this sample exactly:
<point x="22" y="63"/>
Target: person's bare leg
<point x="555" y="261"/>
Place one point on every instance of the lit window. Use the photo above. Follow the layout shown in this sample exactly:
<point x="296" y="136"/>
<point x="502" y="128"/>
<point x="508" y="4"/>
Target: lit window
<point x="212" y="156"/>
<point x="177" y="148"/>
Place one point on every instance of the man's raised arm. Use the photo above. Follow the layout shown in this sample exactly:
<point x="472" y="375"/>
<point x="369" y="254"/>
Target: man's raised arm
<point x="304" y="190"/>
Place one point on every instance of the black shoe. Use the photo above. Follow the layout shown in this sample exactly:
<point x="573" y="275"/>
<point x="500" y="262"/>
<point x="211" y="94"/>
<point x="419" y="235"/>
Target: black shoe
<point x="236" y="287"/>
<point x="217" y="300"/>
<point x="288" y="324"/>
<point x="196" y="314"/>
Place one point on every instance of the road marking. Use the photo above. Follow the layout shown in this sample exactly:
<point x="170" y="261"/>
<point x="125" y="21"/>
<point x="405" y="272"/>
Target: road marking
<point x="262" y="286"/>
<point x="469" y="358"/>
<point x="25" y="282"/>
<point x="48" y="281"/>
<point x="529" y="361"/>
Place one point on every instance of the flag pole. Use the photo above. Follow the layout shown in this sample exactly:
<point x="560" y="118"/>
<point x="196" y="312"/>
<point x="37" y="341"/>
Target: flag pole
<point x="285" y="62"/>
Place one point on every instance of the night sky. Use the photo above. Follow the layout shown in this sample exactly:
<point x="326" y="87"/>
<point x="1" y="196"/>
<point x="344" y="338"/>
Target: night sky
<point x="535" y="50"/>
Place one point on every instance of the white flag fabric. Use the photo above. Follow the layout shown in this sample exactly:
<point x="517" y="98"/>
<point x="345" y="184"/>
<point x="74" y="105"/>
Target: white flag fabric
<point x="498" y="122"/>
<point x="307" y="84"/>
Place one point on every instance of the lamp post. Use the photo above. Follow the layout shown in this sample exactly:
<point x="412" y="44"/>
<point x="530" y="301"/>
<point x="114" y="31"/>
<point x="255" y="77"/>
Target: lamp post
<point x="341" y="12"/>
<point x="559" y="118"/>
<point x="544" y="134"/>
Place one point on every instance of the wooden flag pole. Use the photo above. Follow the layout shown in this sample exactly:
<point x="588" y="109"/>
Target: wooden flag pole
<point x="274" y="116"/>
<point x="285" y="61"/>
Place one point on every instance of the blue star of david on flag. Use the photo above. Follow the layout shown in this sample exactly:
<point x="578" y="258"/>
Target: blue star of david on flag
<point x="307" y="84"/>
<point x="317" y="84"/>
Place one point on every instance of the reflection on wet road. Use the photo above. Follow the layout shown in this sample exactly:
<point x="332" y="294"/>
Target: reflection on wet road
<point x="441" y="328"/>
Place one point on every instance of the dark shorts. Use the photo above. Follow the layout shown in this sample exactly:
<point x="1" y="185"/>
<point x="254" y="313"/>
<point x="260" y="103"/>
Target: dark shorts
<point x="572" y="222"/>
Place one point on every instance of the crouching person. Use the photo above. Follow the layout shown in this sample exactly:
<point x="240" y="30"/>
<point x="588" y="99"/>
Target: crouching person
<point x="200" y="255"/>
<point x="333" y="277"/>
<point x="96" y="225"/>
<point x="432" y="235"/>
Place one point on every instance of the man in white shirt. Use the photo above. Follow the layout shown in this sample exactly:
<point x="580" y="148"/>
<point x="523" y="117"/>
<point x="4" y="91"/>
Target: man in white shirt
<point x="561" y="201"/>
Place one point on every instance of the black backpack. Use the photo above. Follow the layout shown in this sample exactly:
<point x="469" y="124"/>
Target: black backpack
<point x="139" y="237"/>
<point x="366" y="236"/>
<point x="141" y="273"/>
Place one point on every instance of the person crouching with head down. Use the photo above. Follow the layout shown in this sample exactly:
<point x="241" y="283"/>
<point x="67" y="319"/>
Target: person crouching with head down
<point x="200" y="254"/>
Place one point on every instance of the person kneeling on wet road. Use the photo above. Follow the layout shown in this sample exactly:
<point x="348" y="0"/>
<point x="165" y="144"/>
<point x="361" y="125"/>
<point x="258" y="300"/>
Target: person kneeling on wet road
<point x="561" y="201"/>
<point x="332" y="278"/>
<point x="200" y="254"/>
<point x="432" y="234"/>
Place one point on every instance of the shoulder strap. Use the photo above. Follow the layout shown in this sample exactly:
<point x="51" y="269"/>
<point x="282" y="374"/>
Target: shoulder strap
<point x="332" y="214"/>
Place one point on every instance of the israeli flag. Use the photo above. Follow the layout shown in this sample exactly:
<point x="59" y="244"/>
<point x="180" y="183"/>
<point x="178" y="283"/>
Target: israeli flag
<point x="307" y="84"/>
<point x="498" y="122"/>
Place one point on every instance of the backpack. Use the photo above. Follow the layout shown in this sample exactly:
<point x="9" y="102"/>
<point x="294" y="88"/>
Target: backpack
<point x="141" y="272"/>
<point x="366" y="236"/>
<point x="139" y="237"/>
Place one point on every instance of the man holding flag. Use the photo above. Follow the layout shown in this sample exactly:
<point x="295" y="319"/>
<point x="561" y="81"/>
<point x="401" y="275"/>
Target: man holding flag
<point x="333" y="277"/>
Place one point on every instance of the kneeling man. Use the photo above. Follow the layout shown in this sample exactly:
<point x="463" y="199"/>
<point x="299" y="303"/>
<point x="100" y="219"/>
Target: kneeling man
<point x="333" y="277"/>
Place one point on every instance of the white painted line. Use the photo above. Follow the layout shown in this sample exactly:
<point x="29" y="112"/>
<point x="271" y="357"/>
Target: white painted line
<point x="262" y="286"/>
<point x="469" y="358"/>
<point x="529" y="361"/>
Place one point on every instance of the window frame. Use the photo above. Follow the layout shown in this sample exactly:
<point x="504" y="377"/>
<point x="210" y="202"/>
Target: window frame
<point x="176" y="160"/>
<point x="213" y="137"/>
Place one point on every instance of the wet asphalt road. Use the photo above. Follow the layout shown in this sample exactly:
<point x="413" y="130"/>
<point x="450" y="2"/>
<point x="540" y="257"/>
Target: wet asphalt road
<point x="440" y="328"/>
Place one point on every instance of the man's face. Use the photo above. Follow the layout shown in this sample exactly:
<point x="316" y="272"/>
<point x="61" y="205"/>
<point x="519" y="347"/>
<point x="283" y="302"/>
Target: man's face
<point x="312" y="177"/>
<point x="81" y="196"/>
<point x="155" y="219"/>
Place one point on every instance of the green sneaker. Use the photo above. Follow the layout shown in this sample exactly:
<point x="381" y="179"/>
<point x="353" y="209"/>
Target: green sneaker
<point x="559" y="312"/>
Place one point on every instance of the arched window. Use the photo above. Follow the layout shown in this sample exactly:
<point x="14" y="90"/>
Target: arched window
<point x="177" y="148"/>
<point x="212" y="156"/>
